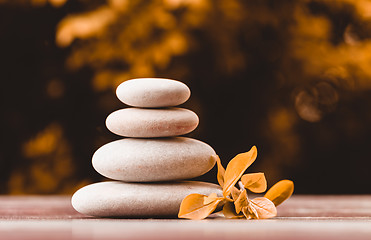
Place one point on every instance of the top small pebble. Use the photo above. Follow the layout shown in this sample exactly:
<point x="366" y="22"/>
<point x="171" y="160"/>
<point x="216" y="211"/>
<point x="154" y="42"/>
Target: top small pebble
<point x="153" y="92"/>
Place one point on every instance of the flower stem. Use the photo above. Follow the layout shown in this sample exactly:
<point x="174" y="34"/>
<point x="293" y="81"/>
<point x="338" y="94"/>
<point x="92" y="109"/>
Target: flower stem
<point x="240" y="184"/>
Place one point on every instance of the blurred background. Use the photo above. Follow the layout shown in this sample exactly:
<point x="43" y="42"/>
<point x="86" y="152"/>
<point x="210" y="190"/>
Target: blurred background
<point x="291" y="77"/>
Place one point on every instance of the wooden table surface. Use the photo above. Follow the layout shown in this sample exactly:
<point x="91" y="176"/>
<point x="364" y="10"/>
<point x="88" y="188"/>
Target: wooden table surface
<point x="300" y="217"/>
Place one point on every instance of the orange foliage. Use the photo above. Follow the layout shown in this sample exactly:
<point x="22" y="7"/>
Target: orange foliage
<point x="235" y="202"/>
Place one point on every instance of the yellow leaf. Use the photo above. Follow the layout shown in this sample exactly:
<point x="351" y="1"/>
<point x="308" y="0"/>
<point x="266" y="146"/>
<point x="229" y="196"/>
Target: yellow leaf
<point x="280" y="191"/>
<point x="241" y="201"/>
<point x="236" y="167"/>
<point x="209" y="199"/>
<point x="235" y="192"/>
<point x="264" y="208"/>
<point x="255" y="182"/>
<point x="246" y="212"/>
<point x="229" y="211"/>
<point x="193" y="207"/>
<point x="221" y="170"/>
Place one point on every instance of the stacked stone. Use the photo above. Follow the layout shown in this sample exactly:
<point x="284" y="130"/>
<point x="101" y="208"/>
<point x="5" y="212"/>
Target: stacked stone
<point x="148" y="166"/>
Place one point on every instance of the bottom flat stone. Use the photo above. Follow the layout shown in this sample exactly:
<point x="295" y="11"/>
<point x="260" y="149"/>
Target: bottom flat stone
<point x="121" y="199"/>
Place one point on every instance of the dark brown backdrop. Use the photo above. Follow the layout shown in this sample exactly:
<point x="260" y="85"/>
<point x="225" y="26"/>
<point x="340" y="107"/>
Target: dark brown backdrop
<point x="291" y="78"/>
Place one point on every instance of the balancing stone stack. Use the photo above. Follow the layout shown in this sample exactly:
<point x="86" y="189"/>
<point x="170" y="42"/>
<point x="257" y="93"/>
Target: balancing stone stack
<point x="152" y="161"/>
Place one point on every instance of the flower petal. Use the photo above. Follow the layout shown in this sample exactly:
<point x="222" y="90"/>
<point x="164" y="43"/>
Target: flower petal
<point x="235" y="193"/>
<point x="248" y="212"/>
<point x="280" y="191"/>
<point x="230" y="212"/>
<point x="221" y="170"/>
<point x="241" y="201"/>
<point x="209" y="199"/>
<point x="255" y="182"/>
<point x="264" y="208"/>
<point x="236" y="167"/>
<point x="193" y="207"/>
